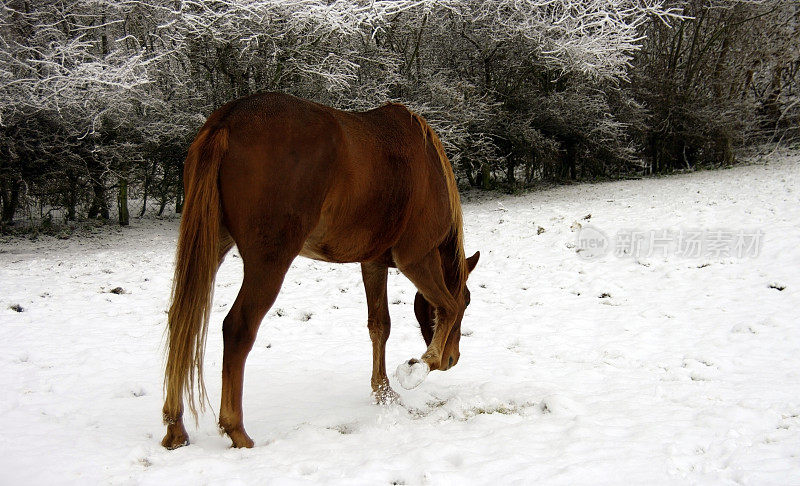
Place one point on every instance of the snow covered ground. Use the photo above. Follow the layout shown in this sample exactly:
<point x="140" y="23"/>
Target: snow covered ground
<point x="648" y="369"/>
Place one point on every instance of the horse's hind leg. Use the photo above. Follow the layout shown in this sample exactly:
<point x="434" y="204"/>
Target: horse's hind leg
<point x="379" y="325"/>
<point x="263" y="277"/>
<point x="225" y="243"/>
<point x="176" y="435"/>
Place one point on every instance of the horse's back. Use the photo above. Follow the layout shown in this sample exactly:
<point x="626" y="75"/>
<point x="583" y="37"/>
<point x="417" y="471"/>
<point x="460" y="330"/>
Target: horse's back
<point x="343" y="184"/>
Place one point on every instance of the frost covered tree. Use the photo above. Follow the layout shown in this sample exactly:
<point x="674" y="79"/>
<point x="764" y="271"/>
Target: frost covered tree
<point x="481" y="71"/>
<point x="99" y="99"/>
<point x="724" y="74"/>
<point x="64" y="66"/>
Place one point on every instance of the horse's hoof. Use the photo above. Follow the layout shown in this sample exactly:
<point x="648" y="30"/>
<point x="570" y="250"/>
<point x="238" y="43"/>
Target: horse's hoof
<point x="241" y="440"/>
<point x="411" y="373"/>
<point x="173" y="441"/>
<point x="384" y="395"/>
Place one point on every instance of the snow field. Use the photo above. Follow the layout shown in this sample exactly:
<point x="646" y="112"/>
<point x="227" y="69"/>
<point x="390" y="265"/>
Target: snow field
<point x="656" y="370"/>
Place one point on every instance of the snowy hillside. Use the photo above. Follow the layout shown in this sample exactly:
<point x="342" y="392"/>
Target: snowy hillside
<point x="636" y="369"/>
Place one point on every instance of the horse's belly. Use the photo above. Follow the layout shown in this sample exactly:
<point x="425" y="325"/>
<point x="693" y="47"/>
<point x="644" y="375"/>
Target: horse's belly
<point x="355" y="226"/>
<point x="343" y="245"/>
<point x="316" y="252"/>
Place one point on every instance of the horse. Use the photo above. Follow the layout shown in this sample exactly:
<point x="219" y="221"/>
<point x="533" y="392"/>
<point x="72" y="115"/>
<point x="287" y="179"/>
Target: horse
<point x="279" y="176"/>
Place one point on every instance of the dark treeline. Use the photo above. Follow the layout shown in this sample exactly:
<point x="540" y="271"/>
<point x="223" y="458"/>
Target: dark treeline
<point x="100" y="99"/>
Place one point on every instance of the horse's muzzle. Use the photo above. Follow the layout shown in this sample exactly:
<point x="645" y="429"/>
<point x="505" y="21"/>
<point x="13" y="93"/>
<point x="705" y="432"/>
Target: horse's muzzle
<point x="450" y="361"/>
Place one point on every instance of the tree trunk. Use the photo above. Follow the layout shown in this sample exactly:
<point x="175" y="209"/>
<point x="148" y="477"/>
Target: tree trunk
<point x="71" y="197"/>
<point x="144" y="198"/>
<point x="9" y="194"/>
<point x="724" y="148"/>
<point x="179" y="201"/>
<point x="511" y="167"/>
<point x="470" y="176"/>
<point x="71" y="211"/>
<point x="99" y="207"/>
<point x="163" y="189"/>
<point x="161" y="206"/>
<point x="148" y="176"/>
<point x="122" y="203"/>
<point x="179" y="191"/>
<point x="486" y="182"/>
<point x="771" y="105"/>
<point x="572" y="156"/>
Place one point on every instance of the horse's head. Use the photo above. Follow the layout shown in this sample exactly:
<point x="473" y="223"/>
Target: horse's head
<point x="426" y="315"/>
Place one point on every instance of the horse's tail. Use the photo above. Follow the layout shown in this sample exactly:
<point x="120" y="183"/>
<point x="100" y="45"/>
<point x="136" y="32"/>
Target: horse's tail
<point x="196" y="266"/>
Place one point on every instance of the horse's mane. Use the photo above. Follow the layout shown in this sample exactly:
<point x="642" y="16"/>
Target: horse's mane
<point x="457" y="229"/>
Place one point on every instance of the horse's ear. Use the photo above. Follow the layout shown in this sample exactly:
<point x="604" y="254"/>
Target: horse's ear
<point x="472" y="261"/>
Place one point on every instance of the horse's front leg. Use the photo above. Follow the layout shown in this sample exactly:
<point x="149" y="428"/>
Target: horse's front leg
<point x="427" y="275"/>
<point x="379" y="325"/>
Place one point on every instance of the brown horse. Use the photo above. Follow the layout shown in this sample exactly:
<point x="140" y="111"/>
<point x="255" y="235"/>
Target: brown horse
<point x="279" y="177"/>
